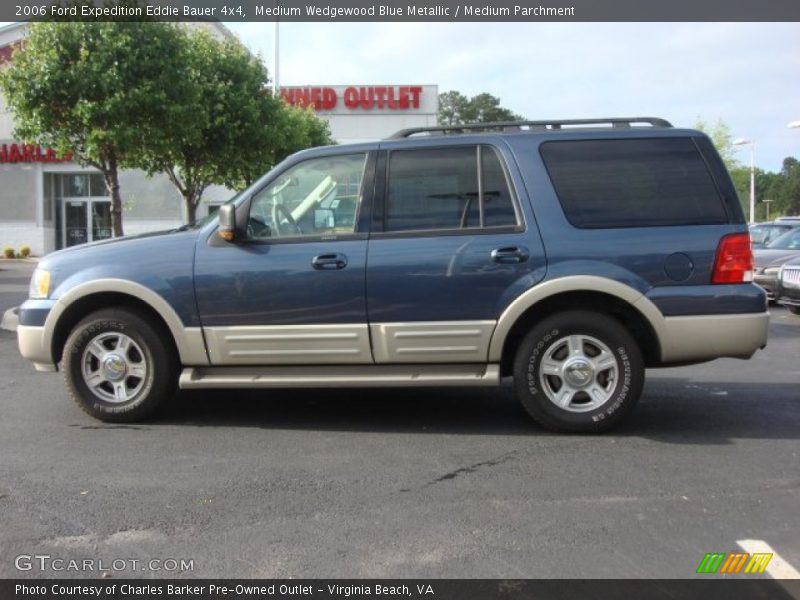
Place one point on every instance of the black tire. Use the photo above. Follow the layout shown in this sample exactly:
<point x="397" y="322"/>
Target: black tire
<point x="148" y="352"/>
<point x="616" y="389"/>
<point x="795" y="310"/>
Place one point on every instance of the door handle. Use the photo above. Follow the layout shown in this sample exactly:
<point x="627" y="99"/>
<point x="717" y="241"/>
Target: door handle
<point x="510" y="255"/>
<point x="329" y="262"/>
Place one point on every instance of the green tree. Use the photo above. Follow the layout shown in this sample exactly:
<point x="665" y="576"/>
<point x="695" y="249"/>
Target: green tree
<point x="457" y="109"/>
<point x="104" y="90"/>
<point x="235" y="128"/>
<point x="789" y="192"/>
<point x="720" y="134"/>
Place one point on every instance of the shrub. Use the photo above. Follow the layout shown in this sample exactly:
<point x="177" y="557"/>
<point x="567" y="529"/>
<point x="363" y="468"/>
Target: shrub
<point x="8" y="252"/>
<point x="25" y="252"/>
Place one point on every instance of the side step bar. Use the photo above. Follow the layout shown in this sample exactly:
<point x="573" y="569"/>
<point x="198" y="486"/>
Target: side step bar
<point x="345" y="376"/>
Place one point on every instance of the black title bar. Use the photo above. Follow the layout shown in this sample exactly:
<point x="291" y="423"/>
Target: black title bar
<point x="413" y="11"/>
<point x="398" y="589"/>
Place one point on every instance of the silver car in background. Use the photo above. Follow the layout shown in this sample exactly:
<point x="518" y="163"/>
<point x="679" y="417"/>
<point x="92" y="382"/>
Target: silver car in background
<point x="769" y="260"/>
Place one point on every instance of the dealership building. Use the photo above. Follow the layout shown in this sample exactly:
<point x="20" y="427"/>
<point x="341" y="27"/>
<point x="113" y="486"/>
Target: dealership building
<point x="48" y="201"/>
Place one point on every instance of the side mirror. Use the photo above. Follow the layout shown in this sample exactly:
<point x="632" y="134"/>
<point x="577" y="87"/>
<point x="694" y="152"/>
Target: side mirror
<point x="227" y="222"/>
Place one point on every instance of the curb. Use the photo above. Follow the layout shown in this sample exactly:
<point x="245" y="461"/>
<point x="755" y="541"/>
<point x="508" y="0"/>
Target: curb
<point x="10" y="319"/>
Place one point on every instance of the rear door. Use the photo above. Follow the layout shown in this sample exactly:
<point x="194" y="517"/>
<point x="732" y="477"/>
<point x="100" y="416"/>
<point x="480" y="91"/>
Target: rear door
<point x="449" y="248"/>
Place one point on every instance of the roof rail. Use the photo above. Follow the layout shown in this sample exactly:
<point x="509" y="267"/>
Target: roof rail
<point x="615" y="122"/>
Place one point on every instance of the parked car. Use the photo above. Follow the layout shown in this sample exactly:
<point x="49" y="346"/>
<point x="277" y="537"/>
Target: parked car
<point x="763" y="233"/>
<point x="768" y="260"/>
<point x="788" y="290"/>
<point x="791" y="220"/>
<point x="568" y="255"/>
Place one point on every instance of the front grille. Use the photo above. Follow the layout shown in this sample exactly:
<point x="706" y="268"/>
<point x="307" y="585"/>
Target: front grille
<point x="791" y="277"/>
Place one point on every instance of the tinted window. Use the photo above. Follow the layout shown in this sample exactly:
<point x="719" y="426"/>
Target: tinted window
<point x="439" y="188"/>
<point x="633" y="183"/>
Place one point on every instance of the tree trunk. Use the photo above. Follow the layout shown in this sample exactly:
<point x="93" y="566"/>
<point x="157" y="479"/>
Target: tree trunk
<point x="111" y="176"/>
<point x="191" y="209"/>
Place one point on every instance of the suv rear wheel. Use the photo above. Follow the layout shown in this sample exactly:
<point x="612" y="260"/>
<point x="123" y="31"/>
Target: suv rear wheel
<point x="117" y="365"/>
<point x="578" y="371"/>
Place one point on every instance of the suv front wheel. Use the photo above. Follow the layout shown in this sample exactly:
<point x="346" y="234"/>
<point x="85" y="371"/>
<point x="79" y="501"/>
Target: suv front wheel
<point x="578" y="371"/>
<point x="117" y="365"/>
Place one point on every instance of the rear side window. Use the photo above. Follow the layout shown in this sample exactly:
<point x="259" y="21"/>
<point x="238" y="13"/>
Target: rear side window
<point x="633" y="183"/>
<point x="447" y="188"/>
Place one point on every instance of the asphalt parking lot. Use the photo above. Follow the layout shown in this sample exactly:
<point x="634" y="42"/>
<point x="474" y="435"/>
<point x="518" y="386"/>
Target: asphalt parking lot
<point x="403" y="483"/>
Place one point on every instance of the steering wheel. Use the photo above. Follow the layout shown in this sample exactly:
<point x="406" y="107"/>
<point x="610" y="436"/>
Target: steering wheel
<point x="278" y="211"/>
<point x="257" y="229"/>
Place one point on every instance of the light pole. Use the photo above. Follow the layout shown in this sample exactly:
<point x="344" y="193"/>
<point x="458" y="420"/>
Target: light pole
<point x="746" y="142"/>
<point x="276" y="74"/>
<point x="794" y="125"/>
<point x="766" y="202"/>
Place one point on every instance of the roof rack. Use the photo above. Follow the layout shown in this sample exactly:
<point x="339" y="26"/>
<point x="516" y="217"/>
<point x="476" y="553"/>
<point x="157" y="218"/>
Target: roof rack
<point x="615" y="122"/>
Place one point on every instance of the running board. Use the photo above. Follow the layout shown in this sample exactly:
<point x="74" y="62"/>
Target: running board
<point x="344" y="376"/>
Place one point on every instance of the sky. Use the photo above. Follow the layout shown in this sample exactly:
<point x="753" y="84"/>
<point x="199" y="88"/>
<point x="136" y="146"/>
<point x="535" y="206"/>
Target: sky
<point x="746" y="74"/>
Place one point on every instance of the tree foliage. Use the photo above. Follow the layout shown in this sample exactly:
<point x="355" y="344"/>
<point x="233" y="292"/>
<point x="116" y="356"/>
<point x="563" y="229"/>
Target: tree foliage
<point x="781" y="189"/>
<point x="235" y="129"/>
<point x="103" y="90"/>
<point x="457" y="109"/>
<point x="157" y="97"/>
<point x="720" y="134"/>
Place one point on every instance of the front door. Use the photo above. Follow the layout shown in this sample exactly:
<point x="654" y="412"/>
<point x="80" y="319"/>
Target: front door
<point x="293" y="292"/>
<point x="76" y="222"/>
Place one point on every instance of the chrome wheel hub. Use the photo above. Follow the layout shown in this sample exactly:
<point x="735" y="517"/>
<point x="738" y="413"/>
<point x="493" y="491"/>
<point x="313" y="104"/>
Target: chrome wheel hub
<point x="578" y="373"/>
<point x="113" y="367"/>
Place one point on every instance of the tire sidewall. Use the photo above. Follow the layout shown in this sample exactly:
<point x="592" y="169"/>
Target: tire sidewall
<point x="155" y="356"/>
<point x="622" y="345"/>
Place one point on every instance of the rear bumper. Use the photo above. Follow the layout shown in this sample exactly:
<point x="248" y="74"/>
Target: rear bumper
<point x="32" y="345"/>
<point x="698" y="338"/>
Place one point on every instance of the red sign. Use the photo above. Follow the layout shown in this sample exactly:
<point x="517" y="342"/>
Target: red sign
<point x="29" y="153"/>
<point x="401" y="97"/>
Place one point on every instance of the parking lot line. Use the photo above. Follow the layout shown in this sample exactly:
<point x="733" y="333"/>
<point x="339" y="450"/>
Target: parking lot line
<point x="777" y="568"/>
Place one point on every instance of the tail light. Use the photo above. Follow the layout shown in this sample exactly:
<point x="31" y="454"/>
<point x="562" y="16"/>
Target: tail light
<point x="734" y="261"/>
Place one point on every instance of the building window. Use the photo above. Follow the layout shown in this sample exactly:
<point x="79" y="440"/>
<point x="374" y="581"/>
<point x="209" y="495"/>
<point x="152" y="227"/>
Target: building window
<point x="84" y="185"/>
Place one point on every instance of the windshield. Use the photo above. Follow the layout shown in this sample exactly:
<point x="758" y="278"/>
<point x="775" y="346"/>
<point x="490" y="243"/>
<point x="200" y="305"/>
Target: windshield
<point x="788" y="241"/>
<point x="763" y="234"/>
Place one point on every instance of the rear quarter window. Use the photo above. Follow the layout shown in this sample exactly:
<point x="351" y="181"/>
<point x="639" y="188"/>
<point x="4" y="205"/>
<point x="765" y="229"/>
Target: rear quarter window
<point x="633" y="183"/>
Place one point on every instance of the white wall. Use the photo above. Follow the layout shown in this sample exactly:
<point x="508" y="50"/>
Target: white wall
<point x="26" y="233"/>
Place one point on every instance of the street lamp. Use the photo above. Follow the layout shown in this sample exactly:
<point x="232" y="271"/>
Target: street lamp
<point x="794" y="125"/>
<point x="746" y="142"/>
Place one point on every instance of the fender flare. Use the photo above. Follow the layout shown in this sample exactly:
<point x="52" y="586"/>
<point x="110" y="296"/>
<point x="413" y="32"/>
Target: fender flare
<point x="188" y="340"/>
<point x="574" y="283"/>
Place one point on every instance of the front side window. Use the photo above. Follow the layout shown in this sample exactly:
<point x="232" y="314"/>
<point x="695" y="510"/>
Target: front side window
<point x="446" y="189"/>
<point x="318" y="197"/>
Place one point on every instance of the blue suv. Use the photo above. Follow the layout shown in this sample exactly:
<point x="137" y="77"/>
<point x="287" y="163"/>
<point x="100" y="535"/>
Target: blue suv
<point x="568" y="255"/>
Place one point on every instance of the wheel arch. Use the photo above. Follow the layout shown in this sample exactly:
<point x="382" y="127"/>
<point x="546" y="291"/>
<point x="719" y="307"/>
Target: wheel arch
<point x="85" y="299"/>
<point x="623" y="303"/>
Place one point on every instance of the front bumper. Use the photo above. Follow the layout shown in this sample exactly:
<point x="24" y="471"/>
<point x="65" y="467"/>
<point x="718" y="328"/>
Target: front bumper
<point x="789" y="296"/>
<point x="768" y="283"/>
<point x="32" y="345"/>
